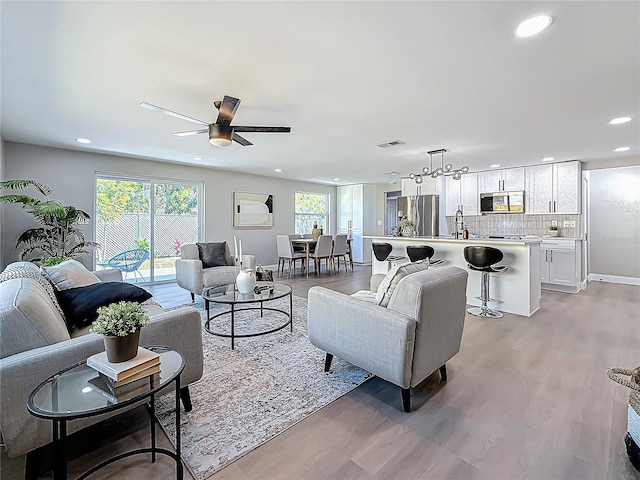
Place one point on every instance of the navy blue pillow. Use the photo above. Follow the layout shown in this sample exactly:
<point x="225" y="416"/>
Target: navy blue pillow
<point x="80" y="304"/>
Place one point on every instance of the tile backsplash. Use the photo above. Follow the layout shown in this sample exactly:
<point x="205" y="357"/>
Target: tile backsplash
<point x="518" y="224"/>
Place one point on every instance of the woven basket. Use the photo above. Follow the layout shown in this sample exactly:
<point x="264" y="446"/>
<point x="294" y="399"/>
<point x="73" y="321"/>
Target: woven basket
<point x="632" y="439"/>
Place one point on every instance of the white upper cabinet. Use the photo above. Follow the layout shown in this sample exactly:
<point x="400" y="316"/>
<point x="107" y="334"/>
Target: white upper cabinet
<point x="429" y="186"/>
<point x="553" y="188"/>
<point x="461" y="194"/>
<point x="507" y="180"/>
<point x="567" y="187"/>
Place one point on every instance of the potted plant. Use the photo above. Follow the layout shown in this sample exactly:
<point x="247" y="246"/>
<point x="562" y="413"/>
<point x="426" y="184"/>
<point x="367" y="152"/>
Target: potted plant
<point x="58" y="238"/>
<point x="120" y="324"/>
<point x="553" y="231"/>
<point x="408" y="228"/>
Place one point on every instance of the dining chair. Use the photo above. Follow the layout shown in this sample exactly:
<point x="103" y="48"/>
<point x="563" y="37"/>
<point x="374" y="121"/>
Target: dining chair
<point x="286" y="253"/>
<point x="295" y="236"/>
<point x="322" y="252"/>
<point x="340" y="250"/>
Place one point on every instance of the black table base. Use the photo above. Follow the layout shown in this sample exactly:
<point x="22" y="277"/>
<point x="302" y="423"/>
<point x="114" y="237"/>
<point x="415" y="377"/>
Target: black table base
<point x="233" y="335"/>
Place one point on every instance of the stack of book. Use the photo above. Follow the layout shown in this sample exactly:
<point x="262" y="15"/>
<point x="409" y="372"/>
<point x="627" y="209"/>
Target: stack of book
<point x="125" y="379"/>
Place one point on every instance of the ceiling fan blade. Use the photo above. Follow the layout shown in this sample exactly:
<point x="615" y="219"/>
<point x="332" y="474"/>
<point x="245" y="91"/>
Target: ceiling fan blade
<point x="190" y="132"/>
<point x="227" y="110"/>
<point x="262" y="129"/>
<point x="173" y="114"/>
<point x="241" y="140"/>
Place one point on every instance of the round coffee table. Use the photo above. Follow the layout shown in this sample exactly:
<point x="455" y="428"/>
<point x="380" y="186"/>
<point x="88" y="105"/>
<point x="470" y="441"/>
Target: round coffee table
<point x="228" y="295"/>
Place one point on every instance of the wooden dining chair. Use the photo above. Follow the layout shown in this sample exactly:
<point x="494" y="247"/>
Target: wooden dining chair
<point x="339" y="250"/>
<point x="323" y="252"/>
<point x="286" y="253"/>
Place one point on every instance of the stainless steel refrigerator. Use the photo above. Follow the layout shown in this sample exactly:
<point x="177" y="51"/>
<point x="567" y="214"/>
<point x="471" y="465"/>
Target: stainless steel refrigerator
<point x="423" y="211"/>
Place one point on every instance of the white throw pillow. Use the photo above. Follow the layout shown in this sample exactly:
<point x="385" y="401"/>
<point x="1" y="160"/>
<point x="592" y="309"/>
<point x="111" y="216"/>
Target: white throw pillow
<point x="365" y="295"/>
<point x="394" y="275"/>
<point x="69" y="274"/>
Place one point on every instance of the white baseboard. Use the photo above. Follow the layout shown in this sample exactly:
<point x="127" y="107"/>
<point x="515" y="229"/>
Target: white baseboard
<point x="596" y="277"/>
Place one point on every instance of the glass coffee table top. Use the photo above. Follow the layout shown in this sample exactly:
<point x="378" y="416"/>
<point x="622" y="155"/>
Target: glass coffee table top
<point x="71" y="393"/>
<point x="228" y="294"/>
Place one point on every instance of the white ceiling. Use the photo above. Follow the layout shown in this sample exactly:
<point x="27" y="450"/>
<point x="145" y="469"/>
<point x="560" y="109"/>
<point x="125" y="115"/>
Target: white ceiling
<point x="344" y="75"/>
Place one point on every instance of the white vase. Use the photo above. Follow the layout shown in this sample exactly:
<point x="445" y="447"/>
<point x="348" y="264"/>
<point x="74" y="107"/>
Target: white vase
<point x="246" y="280"/>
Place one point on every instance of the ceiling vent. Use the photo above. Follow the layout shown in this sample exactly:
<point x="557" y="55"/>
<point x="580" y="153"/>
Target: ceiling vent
<point x="392" y="143"/>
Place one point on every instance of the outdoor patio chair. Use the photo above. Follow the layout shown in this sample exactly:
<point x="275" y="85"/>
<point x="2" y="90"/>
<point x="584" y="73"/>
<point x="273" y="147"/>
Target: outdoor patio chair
<point x="128" y="261"/>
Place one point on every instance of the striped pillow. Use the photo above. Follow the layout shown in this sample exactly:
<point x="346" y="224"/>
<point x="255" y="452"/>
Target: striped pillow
<point x="24" y="272"/>
<point x="394" y="275"/>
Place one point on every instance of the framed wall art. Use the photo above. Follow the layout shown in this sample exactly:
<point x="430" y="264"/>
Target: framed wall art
<point x="252" y="210"/>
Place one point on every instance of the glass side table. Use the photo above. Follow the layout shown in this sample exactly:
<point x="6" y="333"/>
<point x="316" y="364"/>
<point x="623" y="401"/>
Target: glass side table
<point x="69" y="395"/>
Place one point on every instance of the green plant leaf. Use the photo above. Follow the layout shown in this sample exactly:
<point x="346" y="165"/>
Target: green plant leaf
<point x="22" y="184"/>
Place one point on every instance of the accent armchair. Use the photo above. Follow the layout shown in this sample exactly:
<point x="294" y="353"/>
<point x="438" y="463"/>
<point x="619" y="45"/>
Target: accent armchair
<point x="403" y="343"/>
<point x="192" y="276"/>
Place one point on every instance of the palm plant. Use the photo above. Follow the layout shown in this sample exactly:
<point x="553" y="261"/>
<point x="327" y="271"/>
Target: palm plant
<point x="58" y="237"/>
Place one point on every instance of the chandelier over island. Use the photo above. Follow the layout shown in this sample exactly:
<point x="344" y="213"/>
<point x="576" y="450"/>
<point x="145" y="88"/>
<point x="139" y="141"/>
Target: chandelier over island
<point x="443" y="169"/>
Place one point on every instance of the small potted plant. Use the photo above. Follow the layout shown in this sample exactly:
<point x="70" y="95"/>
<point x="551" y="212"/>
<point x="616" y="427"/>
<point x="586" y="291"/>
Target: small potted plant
<point x="120" y="324"/>
<point x="408" y="228"/>
<point x="553" y="231"/>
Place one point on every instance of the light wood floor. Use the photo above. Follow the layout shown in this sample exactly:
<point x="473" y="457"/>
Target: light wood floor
<point x="527" y="398"/>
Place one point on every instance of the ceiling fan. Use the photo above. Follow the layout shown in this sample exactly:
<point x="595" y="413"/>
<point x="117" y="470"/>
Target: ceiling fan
<point x="221" y="133"/>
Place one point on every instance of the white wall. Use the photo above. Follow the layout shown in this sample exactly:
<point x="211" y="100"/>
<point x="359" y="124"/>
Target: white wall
<point x="614" y="223"/>
<point x="71" y="175"/>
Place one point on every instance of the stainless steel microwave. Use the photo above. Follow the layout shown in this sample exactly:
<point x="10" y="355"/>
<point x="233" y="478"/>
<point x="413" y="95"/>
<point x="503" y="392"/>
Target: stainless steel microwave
<point x="502" y="202"/>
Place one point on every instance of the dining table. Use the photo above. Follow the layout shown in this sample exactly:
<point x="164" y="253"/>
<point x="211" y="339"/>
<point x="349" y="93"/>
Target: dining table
<point x="310" y="243"/>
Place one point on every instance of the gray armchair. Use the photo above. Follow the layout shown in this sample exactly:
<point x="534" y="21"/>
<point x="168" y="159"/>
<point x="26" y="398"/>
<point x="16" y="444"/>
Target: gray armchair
<point x="403" y="343"/>
<point x="191" y="276"/>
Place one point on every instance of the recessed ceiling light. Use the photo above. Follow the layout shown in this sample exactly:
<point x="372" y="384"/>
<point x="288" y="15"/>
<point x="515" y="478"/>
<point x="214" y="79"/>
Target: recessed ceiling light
<point x="533" y="26"/>
<point x="392" y="174"/>
<point x="198" y="158"/>
<point x="622" y="149"/>
<point x="548" y="159"/>
<point x="83" y="140"/>
<point x="495" y="165"/>
<point x="392" y="182"/>
<point x="336" y="179"/>
<point x="620" y="120"/>
<point x="277" y="170"/>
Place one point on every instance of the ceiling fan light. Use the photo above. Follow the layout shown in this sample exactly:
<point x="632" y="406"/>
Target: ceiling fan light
<point x="220" y="136"/>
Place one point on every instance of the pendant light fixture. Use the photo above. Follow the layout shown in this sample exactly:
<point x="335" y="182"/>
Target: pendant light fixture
<point x="446" y="170"/>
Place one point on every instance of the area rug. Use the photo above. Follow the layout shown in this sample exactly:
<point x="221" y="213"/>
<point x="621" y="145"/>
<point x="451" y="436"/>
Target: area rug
<point x="253" y="393"/>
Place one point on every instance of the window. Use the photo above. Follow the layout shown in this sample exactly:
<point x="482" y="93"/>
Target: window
<point x="138" y="214"/>
<point x="309" y="208"/>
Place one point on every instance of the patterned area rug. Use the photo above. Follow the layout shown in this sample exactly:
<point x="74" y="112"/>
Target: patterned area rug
<point x="251" y="394"/>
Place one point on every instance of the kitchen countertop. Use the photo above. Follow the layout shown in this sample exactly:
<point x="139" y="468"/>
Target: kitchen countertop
<point x="450" y="239"/>
<point x="509" y="240"/>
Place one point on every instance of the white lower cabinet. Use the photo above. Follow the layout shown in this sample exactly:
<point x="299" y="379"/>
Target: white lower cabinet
<point x="560" y="267"/>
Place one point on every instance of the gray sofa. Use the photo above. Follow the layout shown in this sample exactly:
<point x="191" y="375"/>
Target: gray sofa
<point x="35" y="344"/>
<point x="417" y="332"/>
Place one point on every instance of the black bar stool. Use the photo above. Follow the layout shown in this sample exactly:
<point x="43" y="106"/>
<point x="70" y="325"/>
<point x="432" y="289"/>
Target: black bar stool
<point x="482" y="259"/>
<point x="382" y="250"/>
<point x="420" y="252"/>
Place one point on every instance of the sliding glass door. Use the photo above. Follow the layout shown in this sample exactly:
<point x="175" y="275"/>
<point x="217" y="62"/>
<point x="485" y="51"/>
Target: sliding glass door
<point x="142" y="223"/>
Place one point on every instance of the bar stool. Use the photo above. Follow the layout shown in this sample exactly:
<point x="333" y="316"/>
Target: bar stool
<point x="482" y="259"/>
<point x="420" y="252"/>
<point x="382" y="250"/>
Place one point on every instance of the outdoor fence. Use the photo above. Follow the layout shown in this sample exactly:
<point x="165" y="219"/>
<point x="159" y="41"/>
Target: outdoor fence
<point x="122" y="234"/>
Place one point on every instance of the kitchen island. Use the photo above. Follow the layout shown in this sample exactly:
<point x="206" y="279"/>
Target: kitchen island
<point x="516" y="290"/>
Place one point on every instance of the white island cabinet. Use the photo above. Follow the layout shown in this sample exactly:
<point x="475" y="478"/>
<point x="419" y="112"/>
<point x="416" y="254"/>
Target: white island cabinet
<point x="516" y="290"/>
<point x="560" y="264"/>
